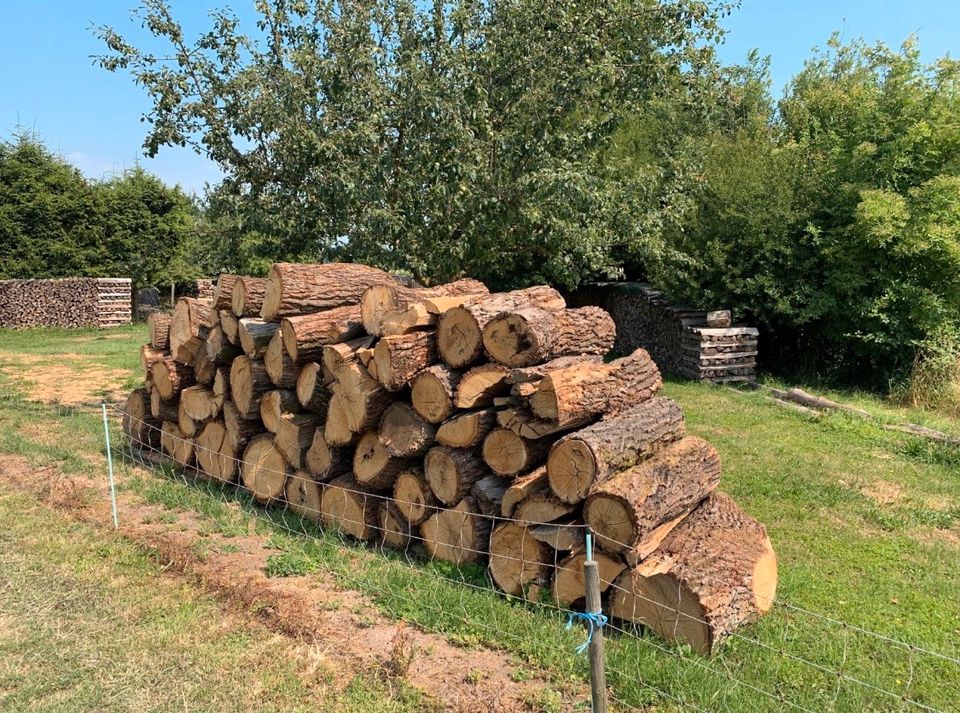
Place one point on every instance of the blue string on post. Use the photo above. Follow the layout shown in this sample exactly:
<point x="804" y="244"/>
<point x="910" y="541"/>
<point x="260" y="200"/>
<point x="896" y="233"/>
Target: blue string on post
<point x="595" y="620"/>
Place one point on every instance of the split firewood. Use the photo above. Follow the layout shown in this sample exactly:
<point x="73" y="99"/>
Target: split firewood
<point x="395" y="531"/>
<point x="200" y="403"/>
<point x="403" y="433"/>
<point x="398" y="359"/>
<point x="451" y="472"/>
<point x="274" y="404"/>
<point x="161" y="409"/>
<point x="303" y="495"/>
<point x="255" y="336"/>
<point x="508" y="454"/>
<point x="138" y="423"/>
<point x="379" y="300"/>
<point x="295" y="435"/>
<point x="313" y="393"/>
<point x="230" y="325"/>
<point x="542" y="506"/>
<point x="459" y="534"/>
<point x="247" y="297"/>
<point x="373" y="466"/>
<point x="489" y="492"/>
<point x="171" y="377"/>
<point x="564" y="536"/>
<point x="248" y="382"/>
<point x="188" y="427"/>
<point x="175" y="445"/>
<point x="299" y="288"/>
<point x="535" y="372"/>
<point x="342" y="353"/>
<point x="148" y="357"/>
<point x="346" y="507"/>
<point x="569" y="585"/>
<point x="714" y="572"/>
<point x="204" y="370"/>
<point x="525" y="486"/>
<point x="264" y="470"/>
<point x="468" y="429"/>
<point x="159" y="324"/>
<point x="219" y="349"/>
<point x="363" y="398"/>
<point x="191" y="321"/>
<point x="325" y="462"/>
<point x="583" y="457"/>
<point x="413" y="496"/>
<point x="305" y="335"/>
<point x="336" y="430"/>
<point x="214" y="452"/>
<point x="480" y="385"/>
<point x="534" y="335"/>
<point x="433" y="391"/>
<point x="522" y="421"/>
<point x="239" y="430"/>
<point x="517" y="558"/>
<point x="281" y="369"/>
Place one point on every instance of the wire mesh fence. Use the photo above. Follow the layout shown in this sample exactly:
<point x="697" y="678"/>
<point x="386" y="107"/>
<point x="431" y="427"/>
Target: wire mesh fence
<point x="792" y="659"/>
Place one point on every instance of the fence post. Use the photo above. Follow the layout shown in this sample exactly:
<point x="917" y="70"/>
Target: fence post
<point x="113" y="489"/>
<point x="598" y="676"/>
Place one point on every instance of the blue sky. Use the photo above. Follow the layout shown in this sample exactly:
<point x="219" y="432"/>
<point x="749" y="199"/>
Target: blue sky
<point x="49" y="84"/>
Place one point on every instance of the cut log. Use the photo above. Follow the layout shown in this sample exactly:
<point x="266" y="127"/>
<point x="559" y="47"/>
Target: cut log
<point x="204" y="370"/>
<point x="305" y="336"/>
<point x="583" y="457"/>
<point x="715" y="572"/>
<point x="363" y="398"/>
<point x="451" y="472"/>
<point x="564" y="536"/>
<point x="433" y="390"/>
<point x="264" y="471"/>
<point x="533" y="482"/>
<point x="247" y="297"/>
<point x="399" y="359"/>
<point x="283" y="371"/>
<point x="403" y="433"/>
<point x="338" y="355"/>
<point x="230" y="325"/>
<point x="627" y="510"/>
<point x="274" y="404"/>
<point x="148" y="357"/>
<point x="295" y="435"/>
<point x="325" y="462"/>
<point x="161" y="409"/>
<point x="395" y="531"/>
<point x="534" y="335"/>
<point x="313" y="393"/>
<point x="373" y="466"/>
<point x="479" y="386"/>
<point x="200" y="403"/>
<point x="248" y="382"/>
<point x="171" y="377"/>
<point x="413" y="497"/>
<point x="457" y="535"/>
<point x="517" y="558"/>
<point x="221" y="382"/>
<point x="527" y="374"/>
<point x="460" y="329"/>
<point x="188" y="427"/>
<point x="159" y="325"/>
<point x="191" y="321"/>
<point x="175" y="445"/>
<point x="239" y="430"/>
<point x="489" y="492"/>
<point x="299" y="288"/>
<point x="223" y="294"/>
<point x="138" y="423"/>
<point x="508" y="454"/>
<point x="522" y="421"/>
<point x="335" y="428"/>
<point x="346" y="507"/>
<point x="569" y="586"/>
<point x="541" y="507"/>
<point x="585" y="390"/>
<point x="255" y="336"/>
<point x="378" y="300"/>
<point x="468" y="429"/>
<point x="219" y="349"/>
<point x="303" y="495"/>
<point x="215" y="454"/>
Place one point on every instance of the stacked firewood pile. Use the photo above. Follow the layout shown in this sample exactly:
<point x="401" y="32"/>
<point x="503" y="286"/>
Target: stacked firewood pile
<point x="485" y="426"/>
<point x="695" y="344"/>
<point x="71" y="302"/>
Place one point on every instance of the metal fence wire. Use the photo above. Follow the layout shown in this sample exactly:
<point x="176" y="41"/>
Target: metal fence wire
<point x="792" y="659"/>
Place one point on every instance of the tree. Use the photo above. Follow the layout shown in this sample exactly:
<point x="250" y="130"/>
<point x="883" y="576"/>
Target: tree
<point x="442" y="138"/>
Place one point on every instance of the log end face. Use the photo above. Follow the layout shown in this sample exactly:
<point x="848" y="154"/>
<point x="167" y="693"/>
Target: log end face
<point x="459" y="338"/>
<point x="764" y="579"/>
<point x="508" y="340"/>
<point x="664" y="605"/>
<point x="571" y="470"/>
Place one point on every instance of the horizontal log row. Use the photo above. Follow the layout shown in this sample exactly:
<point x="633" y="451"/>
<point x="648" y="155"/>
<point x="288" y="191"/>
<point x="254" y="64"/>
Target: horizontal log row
<point x="70" y="302"/>
<point x="479" y="427"/>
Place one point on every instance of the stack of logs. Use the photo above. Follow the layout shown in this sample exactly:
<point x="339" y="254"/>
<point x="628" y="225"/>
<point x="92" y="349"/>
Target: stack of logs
<point x="486" y="426"/>
<point x="71" y="302"/>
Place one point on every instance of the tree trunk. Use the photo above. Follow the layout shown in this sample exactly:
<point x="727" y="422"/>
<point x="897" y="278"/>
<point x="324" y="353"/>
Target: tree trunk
<point x="191" y="321"/>
<point x="395" y="531"/>
<point x="348" y="508"/>
<point x="223" y="294"/>
<point x="398" y="359"/>
<point x="138" y="423"/>
<point x="159" y="324"/>
<point x="326" y="462"/>
<point x="432" y="392"/>
<point x="281" y="369"/>
<point x="627" y="511"/>
<point x="517" y="559"/>
<point x="343" y="353"/>
<point x="378" y="300"/>
<point x="303" y="495"/>
<point x="274" y="404"/>
<point x="569" y="586"/>
<point x="451" y="472"/>
<point x="299" y="288"/>
<point x="171" y="377"/>
<point x="264" y="471"/>
<point x="175" y="445"/>
<point x="468" y="429"/>
<point x="403" y="433"/>
<point x="313" y="393"/>
<point x="583" y="457"/>
<point x="715" y="572"/>
<point x="248" y="382"/>
<point x="215" y="454"/>
<point x="460" y="329"/>
<point x="363" y="398"/>
<point x="247" y="297"/>
<point x="239" y="430"/>
<point x="294" y="436"/>
<point x="479" y="386"/>
<point x="534" y="335"/>
<point x="305" y="335"/>
<point x="413" y="497"/>
<point x="255" y="336"/>
<point x="567" y="395"/>
<point x="508" y="454"/>
<point x="200" y="403"/>
<point x="457" y="535"/>
<point x="373" y="466"/>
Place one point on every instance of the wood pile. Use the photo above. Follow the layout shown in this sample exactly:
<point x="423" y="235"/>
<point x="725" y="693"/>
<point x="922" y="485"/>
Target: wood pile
<point x="695" y="344"/>
<point x="71" y="302"/>
<point x="484" y="428"/>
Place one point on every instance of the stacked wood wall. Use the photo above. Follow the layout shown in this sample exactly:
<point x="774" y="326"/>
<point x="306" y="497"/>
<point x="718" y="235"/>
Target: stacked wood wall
<point x="70" y="302"/>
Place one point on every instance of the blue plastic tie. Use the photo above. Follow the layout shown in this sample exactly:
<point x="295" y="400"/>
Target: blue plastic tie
<point x="596" y="621"/>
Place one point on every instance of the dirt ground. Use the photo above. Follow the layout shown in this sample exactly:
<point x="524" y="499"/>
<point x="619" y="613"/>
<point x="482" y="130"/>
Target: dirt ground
<point x="70" y="380"/>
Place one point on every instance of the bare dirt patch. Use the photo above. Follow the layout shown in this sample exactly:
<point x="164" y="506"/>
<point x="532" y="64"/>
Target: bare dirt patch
<point x="69" y="379"/>
<point x="882" y="492"/>
<point x="342" y="623"/>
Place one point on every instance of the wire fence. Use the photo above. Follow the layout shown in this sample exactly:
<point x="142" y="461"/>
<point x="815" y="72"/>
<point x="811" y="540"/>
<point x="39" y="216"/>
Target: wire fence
<point x="792" y="659"/>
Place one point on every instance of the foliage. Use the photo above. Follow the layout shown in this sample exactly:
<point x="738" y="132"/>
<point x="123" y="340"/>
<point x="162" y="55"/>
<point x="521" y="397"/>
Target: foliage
<point x="934" y="379"/>
<point x="457" y="136"/>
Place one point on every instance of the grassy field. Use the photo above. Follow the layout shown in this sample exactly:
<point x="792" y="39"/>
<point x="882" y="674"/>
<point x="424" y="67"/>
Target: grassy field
<point x="866" y="523"/>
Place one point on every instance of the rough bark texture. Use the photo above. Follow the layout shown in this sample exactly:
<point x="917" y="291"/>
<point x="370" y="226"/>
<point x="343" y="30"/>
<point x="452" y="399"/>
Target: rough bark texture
<point x="305" y="336"/>
<point x="248" y="382"/>
<point x="159" y="324"/>
<point x="283" y="371"/>
<point x="171" y="377"/>
<point x="489" y="492"/>
<point x="460" y="534"/>
<point x="516" y="558"/>
<point x="508" y="454"/>
<point x="255" y="336"/>
<point x="522" y="421"/>
<point x="567" y="395"/>
<point x="326" y="462"/>
<point x="395" y="531"/>
<point x="219" y="349"/>
<point x="413" y="496"/>
<point x="191" y="321"/>
<point x="295" y="435"/>
<point x="312" y="391"/>
<point x="348" y="508"/>
<point x="541" y="507"/>
<point x="138" y="423"/>
<point x="460" y="330"/>
<point x="239" y="430"/>
<point x="148" y="357"/>
<point x="176" y="445"/>
<point x="403" y="433"/>
<point x="274" y="404"/>
<point x="398" y="359"/>
<point x="479" y="386"/>
<point x="433" y="390"/>
<point x="378" y="300"/>
<point x="564" y="536"/>
<point x="583" y="457"/>
<point x="533" y="482"/>
<point x="247" y="297"/>
<point x="629" y="508"/>
<point x="303" y="495"/>
<point x="467" y="430"/>
<point x="223" y="294"/>
<point x="264" y="471"/>
<point x="568" y="583"/>
<point x="374" y="467"/>
<point x="534" y="335"/>
<point x="452" y="471"/>
<point x="363" y="398"/>
<point x="341" y="354"/>
<point x="297" y="288"/>
<point x="715" y="572"/>
<point x="534" y="373"/>
<point x="204" y="370"/>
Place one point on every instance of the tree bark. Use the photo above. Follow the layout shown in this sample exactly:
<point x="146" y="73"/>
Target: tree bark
<point x="138" y="423"/>
<point x="239" y="430"/>
<point x="171" y="377"/>
<point x="299" y="288"/>
<point x="403" y="433"/>
<point x="460" y="534"/>
<point x="159" y="324"/>
<point x="247" y="297"/>
<point x="534" y="335"/>
<point x="522" y="421"/>
<point x="399" y="359"/>
<point x="378" y="300"/>
<point x="451" y="472"/>
<point x="223" y="294"/>
<point x="489" y="492"/>
<point x="148" y="357"/>
<point x="161" y="409"/>
<point x="468" y="429"/>
<point x="433" y="391"/>
<point x="305" y="335"/>
<point x="295" y="435"/>
<point x="343" y="353"/>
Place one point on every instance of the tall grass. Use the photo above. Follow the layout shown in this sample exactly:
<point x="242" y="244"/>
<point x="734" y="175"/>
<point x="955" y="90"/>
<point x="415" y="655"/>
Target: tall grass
<point x="934" y="379"/>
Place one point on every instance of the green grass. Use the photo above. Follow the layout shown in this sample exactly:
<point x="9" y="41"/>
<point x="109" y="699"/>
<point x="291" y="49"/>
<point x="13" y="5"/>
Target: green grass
<point x="866" y="523"/>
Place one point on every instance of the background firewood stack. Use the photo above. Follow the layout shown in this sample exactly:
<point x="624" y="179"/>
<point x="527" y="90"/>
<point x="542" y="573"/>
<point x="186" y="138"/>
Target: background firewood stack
<point x="72" y="302"/>
<point x="485" y="426"/>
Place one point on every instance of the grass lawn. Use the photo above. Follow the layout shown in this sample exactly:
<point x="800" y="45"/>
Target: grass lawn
<point x="866" y="523"/>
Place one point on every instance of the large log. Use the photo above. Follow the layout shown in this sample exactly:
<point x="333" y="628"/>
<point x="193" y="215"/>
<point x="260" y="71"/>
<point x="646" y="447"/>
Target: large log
<point x="346" y="507"/>
<point x="508" y="454"/>
<point x="569" y="586"/>
<point x="413" y="497"/>
<point x="191" y="321"/>
<point x="380" y="300"/>
<point x="363" y="398"/>
<point x="715" y="572"/>
<point x="636" y="508"/>
<point x="175" y="445"/>
<point x="451" y="472"/>
<point x="264" y="471"/>
<point x="274" y="404"/>
<point x="313" y="393"/>
<point x="255" y="336"/>
<point x="303" y="495"/>
<point x="295" y="435"/>
<point x="159" y="325"/>
<point x="298" y="288"/>
<point x="481" y="385"/>
<point x="214" y="452"/>
<point x="373" y="466"/>
<point x="460" y="329"/>
<point x="248" y="382"/>
<point x="534" y="335"/>
<point x="433" y="391"/>
<point x="200" y="403"/>
<point x="403" y="433"/>
<point x="585" y="390"/>
<point x="325" y="462"/>
<point x="138" y="423"/>
<point x="223" y="294"/>
<point x="459" y="534"/>
<point x="282" y="370"/>
<point x="583" y="457"/>
<point x="468" y="429"/>
<point x="247" y="297"/>
<point x="398" y="359"/>
<point x="516" y="558"/>
<point x="305" y="335"/>
<point x="171" y="377"/>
